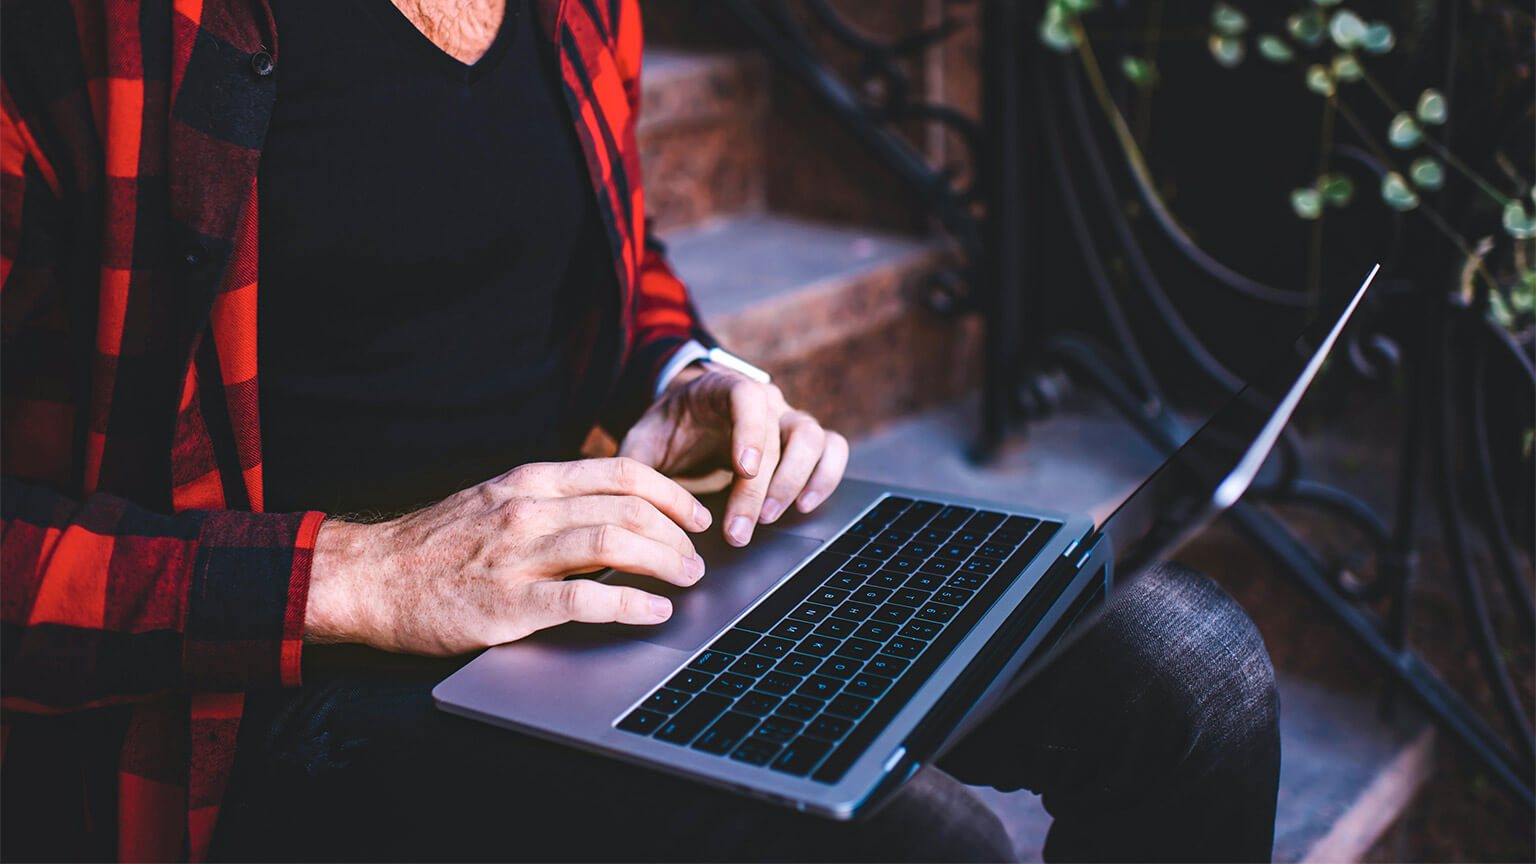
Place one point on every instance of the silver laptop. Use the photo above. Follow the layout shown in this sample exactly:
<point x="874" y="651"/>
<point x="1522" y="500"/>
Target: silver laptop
<point x="820" y="666"/>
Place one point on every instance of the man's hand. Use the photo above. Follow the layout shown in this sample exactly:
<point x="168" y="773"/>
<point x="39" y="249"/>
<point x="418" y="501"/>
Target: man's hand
<point x="711" y="419"/>
<point x="486" y="565"/>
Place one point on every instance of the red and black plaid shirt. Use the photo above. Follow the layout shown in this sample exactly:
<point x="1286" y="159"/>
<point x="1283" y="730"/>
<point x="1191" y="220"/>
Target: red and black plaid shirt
<point x="141" y="578"/>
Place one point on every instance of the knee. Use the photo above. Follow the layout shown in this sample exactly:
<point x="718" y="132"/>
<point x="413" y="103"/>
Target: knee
<point x="1205" y="666"/>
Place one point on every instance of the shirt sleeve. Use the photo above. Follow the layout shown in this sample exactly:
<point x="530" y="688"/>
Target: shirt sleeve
<point x="104" y="602"/>
<point x="662" y="314"/>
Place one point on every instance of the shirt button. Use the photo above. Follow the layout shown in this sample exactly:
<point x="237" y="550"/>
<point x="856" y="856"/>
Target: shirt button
<point x="262" y="63"/>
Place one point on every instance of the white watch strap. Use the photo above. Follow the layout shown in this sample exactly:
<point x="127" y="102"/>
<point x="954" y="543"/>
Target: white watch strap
<point x="692" y="352"/>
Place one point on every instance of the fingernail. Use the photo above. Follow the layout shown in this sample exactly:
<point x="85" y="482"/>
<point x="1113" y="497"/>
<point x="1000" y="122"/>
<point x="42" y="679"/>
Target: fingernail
<point x="694" y="567"/>
<point x="701" y="515"/>
<point x="772" y="509"/>
<point x="808" y="501"/>
<point x="751" y="460"/>
<point x="661" y="608"/>
<point x="741" y="530"/>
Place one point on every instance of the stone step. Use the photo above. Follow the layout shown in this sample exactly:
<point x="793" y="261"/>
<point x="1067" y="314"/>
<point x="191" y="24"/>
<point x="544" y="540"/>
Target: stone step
<point x="1346" y="774"/>
<point x="831" y="312"/>
<point x="701" y="135"/>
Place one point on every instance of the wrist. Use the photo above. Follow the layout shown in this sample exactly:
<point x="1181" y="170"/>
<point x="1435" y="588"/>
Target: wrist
<point x="336" y="611"/>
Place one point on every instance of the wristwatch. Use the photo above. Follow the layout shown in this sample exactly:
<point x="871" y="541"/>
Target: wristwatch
<point x="693" y="351"/>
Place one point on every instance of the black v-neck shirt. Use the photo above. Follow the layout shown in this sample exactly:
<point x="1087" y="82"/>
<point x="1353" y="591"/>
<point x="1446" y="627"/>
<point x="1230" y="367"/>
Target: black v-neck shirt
<point x="437" y="299"/>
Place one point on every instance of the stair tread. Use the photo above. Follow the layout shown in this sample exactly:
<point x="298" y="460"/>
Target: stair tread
<point x="1345" y="774"/>
<point x="736" y="263"/>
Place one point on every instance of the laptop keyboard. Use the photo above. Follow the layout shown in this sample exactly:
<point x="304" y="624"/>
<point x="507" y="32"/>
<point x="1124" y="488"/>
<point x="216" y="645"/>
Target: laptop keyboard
<point x="815" y="671"/>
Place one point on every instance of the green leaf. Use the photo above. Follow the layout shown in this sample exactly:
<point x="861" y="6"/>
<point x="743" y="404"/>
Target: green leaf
<point x="1228" y="50"/>
<point x="1346" y="68"/>
<point x="1518" y="223"/>
<point x="1403" y="132"/>
<point x="1499" y="311"/>
<point x="1379" y="38"/>
<point x="1275" y="50"/>
<point x="1307" y="203"/>
<point x="1056" y="32"/>
<point x="1347" y="29"/>
<point x="1318" y="80"/>
<point x="1522" y="294"/>
<point x="1228" y="20"/>
<point x="1432" y="108"/>
<point x="1306" y="27"/>
<point x="1396" y="193"/>
<point x="1136" y="69"/>
<point x="1426" y="173"/>
<point x="1337" y="189"/>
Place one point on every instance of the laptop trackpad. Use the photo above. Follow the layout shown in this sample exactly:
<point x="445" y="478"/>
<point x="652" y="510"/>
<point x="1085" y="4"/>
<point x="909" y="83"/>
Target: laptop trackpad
<point x="733" y="578"/>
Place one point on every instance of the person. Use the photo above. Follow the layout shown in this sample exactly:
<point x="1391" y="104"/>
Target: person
<point x="308" y="308"/>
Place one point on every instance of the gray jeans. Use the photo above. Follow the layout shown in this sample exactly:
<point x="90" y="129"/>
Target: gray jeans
<point x="1155" y="737"/>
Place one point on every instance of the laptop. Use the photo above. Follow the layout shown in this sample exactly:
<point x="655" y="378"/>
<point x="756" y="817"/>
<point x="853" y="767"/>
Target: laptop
<point x="821" y="665"/>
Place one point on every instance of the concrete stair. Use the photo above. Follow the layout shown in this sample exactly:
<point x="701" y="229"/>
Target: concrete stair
<point x="796" y="297"/>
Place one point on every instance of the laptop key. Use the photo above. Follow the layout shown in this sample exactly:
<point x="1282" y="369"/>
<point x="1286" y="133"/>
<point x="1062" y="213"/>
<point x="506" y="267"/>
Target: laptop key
<point x="854" y="611"/>
<point x="690" y="680"/>
<point x="850" y="706"/>
<point x="1020" y="525"/>
<point x="799" y="664"/>
<point x="877" y="549"/>
<point x="940" y="566"/>
<point x="879" y="631"/>
<point x="780" y="729"/>
<point x="836" y="628"/>
<point x="921" y="629"/>
<point x="905" y="647"/>
<point x="840" y="667"/>
<point x="819" y="687"/>
<point x="910" y="522"/>
<point x="956" y="596"/>
<point x="772" y="646"/>
<point x="757" y="702"/>
<point x="871" y="594"/>
<point x="955" y="551"/>
<point x="866" y="527"/>
<point x="735" y="642"/>
<point x="800" y="756"/>
<point x="642" y="722"/>
<point x="982" y="565"/>
<point x="711" y="661"/>
<point x="756" y="751"/>
<point x="903" y="564"/>
<point x="933" y="534"/>
<point x="845" y="581"/>
<point x="812" y="612"/>
<point x="801" y="707"/>
<point x="893" y="504"/>
<point x="820" y="646"/>
<point x="940" y="612"/>
<point x="910" y="596"/>
<point x="868" y="685"/>
<point x="689" y="722"/>
<point x="886" y="579"/>
<point x="779" y="683"/>
<point x="919" y="549"/>
<point x="953" y="516"/>
<point x="985" y="521"/>
<point x="858" y="649"/>
<point x="828" y="596"/>
<point x="829" y="728"/>
<point x="666" y="701"/>
<point x="861" y="565"/>
<point x="731" y="685"/>
<point x="722" y="737"/>
<point x="893" y="613"/>
<point x="925" y="582"/>
<point x="791" y="629"/>
<point x="848" y="544"/>
<point x="967" y="581"/>
<point x="885" y="664"/>
<point x="994" y="550"/>
<point x="894" y="538"/>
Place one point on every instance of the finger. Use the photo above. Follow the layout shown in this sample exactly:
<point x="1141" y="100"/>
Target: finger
<point x="804" y="439"/>
<point x="752" y="428"/>
<point x="622" y="476"/>
<point x="745" y="505"/>
<point x="629" y="512"/>
<point x="828" y="473"/>
<point x="582" y="550"/>
<point x="596" y="603"/>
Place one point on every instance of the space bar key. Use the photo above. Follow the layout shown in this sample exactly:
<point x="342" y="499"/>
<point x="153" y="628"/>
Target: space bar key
<point x="789" y="594"/>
